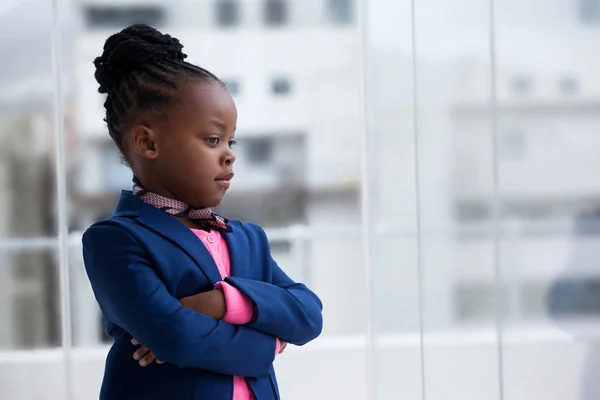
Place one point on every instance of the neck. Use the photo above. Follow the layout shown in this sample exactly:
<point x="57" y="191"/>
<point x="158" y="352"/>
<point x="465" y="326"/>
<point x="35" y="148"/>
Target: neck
<point x="154" y="187"/>
<point x="200" y="218"/>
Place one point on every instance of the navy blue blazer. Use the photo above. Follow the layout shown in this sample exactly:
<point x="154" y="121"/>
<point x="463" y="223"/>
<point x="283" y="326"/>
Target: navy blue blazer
<point x="141" y="261"/>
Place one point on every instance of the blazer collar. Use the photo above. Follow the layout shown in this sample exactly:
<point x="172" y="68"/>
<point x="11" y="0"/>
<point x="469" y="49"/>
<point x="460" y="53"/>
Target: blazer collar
<point x="159" y="222"/>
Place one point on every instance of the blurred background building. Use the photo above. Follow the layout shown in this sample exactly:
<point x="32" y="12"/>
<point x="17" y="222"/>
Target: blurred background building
<point x="429" y="171"/>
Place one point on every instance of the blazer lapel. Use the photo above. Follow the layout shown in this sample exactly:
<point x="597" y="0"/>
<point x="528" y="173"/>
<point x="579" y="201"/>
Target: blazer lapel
<point x="237" y="243"/>
<point x="172" y="230"/>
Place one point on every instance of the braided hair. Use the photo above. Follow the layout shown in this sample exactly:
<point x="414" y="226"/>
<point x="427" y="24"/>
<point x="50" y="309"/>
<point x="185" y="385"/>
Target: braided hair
<point x="140" y="69"/>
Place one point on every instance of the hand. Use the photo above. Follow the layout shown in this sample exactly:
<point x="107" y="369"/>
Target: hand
<point x="211" y="303"/>
<point x="282" y="346"/>
<point x="144" y="355"/>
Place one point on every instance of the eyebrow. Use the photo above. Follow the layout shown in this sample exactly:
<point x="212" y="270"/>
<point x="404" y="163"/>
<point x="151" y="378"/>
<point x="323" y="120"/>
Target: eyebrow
<point x="218" y="124"/>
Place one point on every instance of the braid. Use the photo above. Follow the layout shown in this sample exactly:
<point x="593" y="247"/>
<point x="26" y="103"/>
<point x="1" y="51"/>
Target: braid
<point x="139" y="70"/>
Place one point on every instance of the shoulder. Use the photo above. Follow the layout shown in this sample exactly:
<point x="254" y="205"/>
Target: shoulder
<point x="247" y="227"/>
<point x="254" y="233"/>
<point x="112" y="230"/>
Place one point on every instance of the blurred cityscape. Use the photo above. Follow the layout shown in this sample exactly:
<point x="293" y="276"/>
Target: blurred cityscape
<point x="481" y="152"/>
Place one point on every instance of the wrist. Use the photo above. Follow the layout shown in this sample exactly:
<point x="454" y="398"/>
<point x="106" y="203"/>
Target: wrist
<point x="211" y="303"/>
<point x="217" y="304"/>
<point x="189" y="302"/>
<point x="239" y="309"/>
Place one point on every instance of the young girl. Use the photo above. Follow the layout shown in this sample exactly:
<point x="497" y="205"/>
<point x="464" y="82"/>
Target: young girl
<point x="197" y="292"/>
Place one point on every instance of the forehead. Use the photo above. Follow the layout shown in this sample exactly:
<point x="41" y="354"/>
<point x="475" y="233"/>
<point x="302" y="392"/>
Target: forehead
<point x="204" y="103"/>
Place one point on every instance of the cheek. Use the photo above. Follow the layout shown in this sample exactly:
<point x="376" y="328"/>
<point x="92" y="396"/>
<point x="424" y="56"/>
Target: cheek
<point x="180" y="152"/>
<point x="203" y="164"/>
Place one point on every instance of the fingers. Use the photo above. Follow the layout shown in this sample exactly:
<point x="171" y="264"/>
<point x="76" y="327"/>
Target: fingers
<point x="148" y="359"/>
<point x="134" y="342"/>
<point x="143" y="355"/>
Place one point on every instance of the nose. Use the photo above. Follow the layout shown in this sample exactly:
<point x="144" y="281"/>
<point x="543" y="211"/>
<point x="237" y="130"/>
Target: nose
<point x="229" y="158"/>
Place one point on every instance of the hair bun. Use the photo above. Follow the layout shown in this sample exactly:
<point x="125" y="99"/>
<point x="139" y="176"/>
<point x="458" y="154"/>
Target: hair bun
<point x="130" y="50"/>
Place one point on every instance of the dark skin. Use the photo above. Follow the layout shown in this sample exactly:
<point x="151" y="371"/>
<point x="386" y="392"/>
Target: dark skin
<point x="185" y="153"/>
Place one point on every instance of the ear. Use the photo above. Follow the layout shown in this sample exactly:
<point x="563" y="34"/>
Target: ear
<point x="143" y="142"/>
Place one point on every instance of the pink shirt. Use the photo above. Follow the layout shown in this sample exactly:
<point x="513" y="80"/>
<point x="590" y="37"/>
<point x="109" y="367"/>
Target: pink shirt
<point x="239" y="308"/>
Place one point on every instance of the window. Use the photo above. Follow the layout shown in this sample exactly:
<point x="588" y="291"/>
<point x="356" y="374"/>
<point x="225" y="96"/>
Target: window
<point x="469" y="211"/>
<point x="99" y="17"/>
<point x="233" y="87"/>
<point x="259" y="150"/>
<point x="228" y="12"/>
<point x="276" y="12"/>
<point x="281" y="86"/>
<point x="568" y="85"/>
<point x="569" y="297"/>
<point x="340" y="11"/>
<point x="590" y="10"/>
<point x="521" y="84"/>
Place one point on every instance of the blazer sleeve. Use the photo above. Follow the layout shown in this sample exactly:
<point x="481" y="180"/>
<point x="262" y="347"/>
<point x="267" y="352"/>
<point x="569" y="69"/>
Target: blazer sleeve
<point x="283" y="308"/>
<point x="132" y="296"/>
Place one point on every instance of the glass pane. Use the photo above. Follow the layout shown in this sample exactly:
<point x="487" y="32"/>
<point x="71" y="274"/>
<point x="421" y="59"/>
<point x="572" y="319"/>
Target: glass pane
<point x="439" y="272"/>
<point x="26" y="123"/>
<point x="333" y="268"/>
<point x="31" y="361"/>
<point x="30" y="313"/>
<point x="548" y="155"/>
<point x="88" y="327"/>
<point x="393" y="202"/>
<point x="456" y="200"/>
<point x="328" y="259"/>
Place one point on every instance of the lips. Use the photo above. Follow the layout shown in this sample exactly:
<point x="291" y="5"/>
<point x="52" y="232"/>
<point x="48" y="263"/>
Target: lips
<point x="225" y="177"/>
<point x="225" y="180"/>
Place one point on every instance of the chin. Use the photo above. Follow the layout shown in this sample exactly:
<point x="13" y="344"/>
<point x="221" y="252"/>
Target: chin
<point x="206" y="200"/>
<point x="214" y="202"/>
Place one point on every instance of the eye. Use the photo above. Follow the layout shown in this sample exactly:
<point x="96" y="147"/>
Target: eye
<point x="213" y="141"/>
<point x="232" y="143"/>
